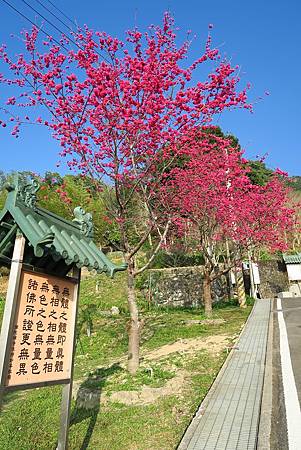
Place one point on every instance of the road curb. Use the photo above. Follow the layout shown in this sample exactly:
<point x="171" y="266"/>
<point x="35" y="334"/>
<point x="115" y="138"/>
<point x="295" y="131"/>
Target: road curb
<point x="265" y="420"/>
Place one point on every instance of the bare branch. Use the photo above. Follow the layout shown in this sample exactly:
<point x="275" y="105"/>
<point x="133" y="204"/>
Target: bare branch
<point x="155" y="251"/>
<point x="142" y="240"/>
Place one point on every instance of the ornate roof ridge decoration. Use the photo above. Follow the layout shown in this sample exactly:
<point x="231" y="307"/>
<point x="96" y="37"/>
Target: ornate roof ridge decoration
<point x="84" y="220"/>
<point x="53" y="243"/>
<point x="25" y="191"/>
<point x="28" y="193"/>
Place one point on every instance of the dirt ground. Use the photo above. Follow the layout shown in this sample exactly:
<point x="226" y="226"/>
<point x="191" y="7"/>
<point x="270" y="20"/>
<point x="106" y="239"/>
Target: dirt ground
<point x="147" y="395"/>
<point x="3" y="285"/>
<point x="213" y="344"/>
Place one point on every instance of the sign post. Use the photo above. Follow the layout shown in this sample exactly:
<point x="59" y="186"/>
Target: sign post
<point x="67" y="388"/>
<point x="38" y="333"/>
<point x="7" y="330"/>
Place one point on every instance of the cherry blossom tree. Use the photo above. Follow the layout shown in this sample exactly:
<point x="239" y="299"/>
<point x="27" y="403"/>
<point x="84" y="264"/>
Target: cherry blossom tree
<point x="214" y="198"/>
<point x="118" y="109"/>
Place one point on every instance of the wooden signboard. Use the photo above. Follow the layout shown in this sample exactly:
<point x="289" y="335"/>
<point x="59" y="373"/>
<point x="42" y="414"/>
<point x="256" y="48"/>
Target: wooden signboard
<point x="44" y="324"/>
<point x="38" y="333"/>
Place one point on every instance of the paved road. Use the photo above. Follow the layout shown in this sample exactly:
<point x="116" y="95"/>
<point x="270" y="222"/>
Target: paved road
<point x="286" y="415"/>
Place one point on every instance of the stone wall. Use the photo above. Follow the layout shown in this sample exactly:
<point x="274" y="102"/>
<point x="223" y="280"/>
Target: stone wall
<point x="273" y="278"/>
<point x="182" y="286"/>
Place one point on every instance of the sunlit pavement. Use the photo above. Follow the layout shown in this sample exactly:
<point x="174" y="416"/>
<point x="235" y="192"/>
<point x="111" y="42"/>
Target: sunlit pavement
<point x="229" y="416"/>
<point x="286" y="375"/>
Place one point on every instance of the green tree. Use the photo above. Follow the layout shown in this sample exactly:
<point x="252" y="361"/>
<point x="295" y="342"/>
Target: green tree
<point x="62" y="194"/>
<point x="259" y="173"/>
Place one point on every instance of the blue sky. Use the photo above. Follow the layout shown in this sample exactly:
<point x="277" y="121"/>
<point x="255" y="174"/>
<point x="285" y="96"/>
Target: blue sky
<point x="263" y="37"/>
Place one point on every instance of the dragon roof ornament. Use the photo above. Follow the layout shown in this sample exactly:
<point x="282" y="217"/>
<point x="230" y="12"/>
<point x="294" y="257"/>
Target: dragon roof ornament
<point x="84" y="220"/>
<point x="25" y="191"/>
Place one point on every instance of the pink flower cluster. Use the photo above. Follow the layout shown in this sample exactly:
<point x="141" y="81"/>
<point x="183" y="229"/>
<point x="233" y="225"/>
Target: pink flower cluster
<point x="211" y="189"/>
<point x="113" y="115"/>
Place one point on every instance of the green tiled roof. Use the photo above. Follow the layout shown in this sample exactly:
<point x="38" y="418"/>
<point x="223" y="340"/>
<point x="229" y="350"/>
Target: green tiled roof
<point x="292" y="259"/>
<point x="52" y="243"/>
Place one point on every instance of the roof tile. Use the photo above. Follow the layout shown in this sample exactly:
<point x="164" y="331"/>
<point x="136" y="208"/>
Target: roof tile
<point x="52" y="241"/>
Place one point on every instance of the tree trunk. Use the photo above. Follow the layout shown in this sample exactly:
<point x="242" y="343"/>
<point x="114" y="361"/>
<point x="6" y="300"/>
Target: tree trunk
<point x="134" y="331"/>
<point x="229" y="286"/>
<point x="229" y="278"/>
<point x="240" y="286"/>
<point x="207" y="295"/>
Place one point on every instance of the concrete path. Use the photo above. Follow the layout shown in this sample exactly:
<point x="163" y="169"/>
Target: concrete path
<point x="229" y="416"/>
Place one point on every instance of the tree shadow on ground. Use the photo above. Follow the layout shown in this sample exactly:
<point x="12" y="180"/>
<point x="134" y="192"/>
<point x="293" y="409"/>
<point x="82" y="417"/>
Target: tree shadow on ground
<point x="87" y="404"/>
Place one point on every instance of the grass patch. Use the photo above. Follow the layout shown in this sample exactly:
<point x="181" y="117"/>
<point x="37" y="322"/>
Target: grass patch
<point x="152" y="376"/>
<point x="30" y="419"/>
